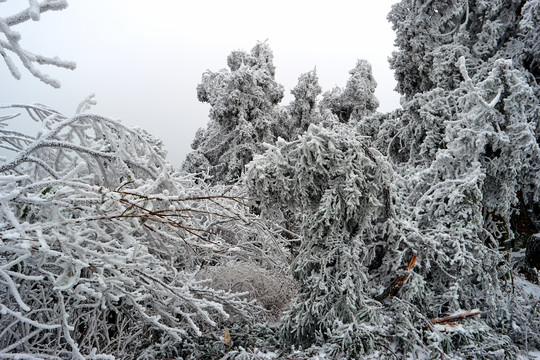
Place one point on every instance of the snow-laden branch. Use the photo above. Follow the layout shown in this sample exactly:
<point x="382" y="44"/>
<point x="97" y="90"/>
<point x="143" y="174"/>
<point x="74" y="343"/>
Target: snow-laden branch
<point x="470" y="85"/>
<point x="100" y="225"/>
<point x="96" y="136"/>
<point x="12" y="43"/>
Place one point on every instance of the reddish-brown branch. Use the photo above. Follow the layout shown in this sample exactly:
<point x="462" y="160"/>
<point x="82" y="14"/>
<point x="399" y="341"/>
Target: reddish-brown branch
<point x="398" y="283"/>
<point x="176" y="212"/>
<point x="456" y="317"/>
<point x="179" y="199"/>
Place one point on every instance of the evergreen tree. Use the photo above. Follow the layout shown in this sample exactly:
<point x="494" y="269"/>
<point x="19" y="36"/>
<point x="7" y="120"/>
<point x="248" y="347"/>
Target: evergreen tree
<point x="304" y="108"/>
<point x="243" y="115"/>
<point x="466" y="154"/>
<point x="464" y="198"/>
<point x="357" y="99"/>
<point x="466" y="151"/>
<point x="436" y="41"/>
<point x="433" y="35"/>
<point x="342" y="189"/>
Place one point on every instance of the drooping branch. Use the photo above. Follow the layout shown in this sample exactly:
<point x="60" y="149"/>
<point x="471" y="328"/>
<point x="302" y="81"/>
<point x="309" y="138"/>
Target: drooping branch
<point x="101" y="222"/>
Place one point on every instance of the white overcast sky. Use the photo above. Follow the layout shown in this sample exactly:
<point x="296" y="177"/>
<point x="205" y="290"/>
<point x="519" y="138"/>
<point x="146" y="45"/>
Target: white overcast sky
<point x="144" y="59"/>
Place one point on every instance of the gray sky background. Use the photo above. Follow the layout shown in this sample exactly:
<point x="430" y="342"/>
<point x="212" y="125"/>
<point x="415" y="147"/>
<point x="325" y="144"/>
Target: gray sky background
<point x="144" y="59"/>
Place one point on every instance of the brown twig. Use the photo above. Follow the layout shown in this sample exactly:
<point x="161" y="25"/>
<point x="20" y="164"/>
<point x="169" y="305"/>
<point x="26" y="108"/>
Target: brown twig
<point x="398" y="283"/>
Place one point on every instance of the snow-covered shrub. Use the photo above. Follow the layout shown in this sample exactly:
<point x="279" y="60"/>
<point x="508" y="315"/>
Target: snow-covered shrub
<point x="101" y="241"/>
<point x="272" y="290"/>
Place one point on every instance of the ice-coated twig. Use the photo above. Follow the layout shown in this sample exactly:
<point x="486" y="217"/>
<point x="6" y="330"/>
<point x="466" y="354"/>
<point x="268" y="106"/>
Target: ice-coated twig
<point x="4" y="310"/>
<point x="28" y="59"/>
<point x="86" y="104"/>
<point x="471" y="86"/>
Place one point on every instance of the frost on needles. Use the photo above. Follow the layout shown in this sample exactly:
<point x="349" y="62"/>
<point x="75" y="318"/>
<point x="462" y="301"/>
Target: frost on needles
<point x="374" y="235"/>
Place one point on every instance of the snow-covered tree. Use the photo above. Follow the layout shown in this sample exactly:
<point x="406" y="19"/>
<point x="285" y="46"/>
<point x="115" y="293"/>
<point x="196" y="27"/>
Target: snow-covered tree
<point x="496" y="122"/>
<point x="243" y="115"/>
<point x="529" y="38"/>
<point x="403" y="218"/>
<point x="433" y="35"/>
<point x="357" y="239"/>
<point x="465" y="147"/>
<point x="467" y="158"/>
<point x="104" y="248"/>
<point x="357" y="99"/>
<point x="432" y="38"/>
<point x="434" y="108"/>
<point x="342" y="189"/>
<point x="304" y="108"/>
<point x="10" y="45"/>
<point x="102" y="242"/>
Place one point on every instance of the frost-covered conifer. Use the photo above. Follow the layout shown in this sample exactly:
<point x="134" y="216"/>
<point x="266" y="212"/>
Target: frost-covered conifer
<point x="466" y="151"/>
<point x="357" y="99"/>
<point x="465" y="148"/>
<point x="433" y="35"/>
<point x="243" y="115"/>
<point x="342" y="189"/>
<point x="304" y="108"/>
<point x="496" y="122"/>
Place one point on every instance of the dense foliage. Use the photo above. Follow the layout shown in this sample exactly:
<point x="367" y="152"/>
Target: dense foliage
<point x="319" y="229"/>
